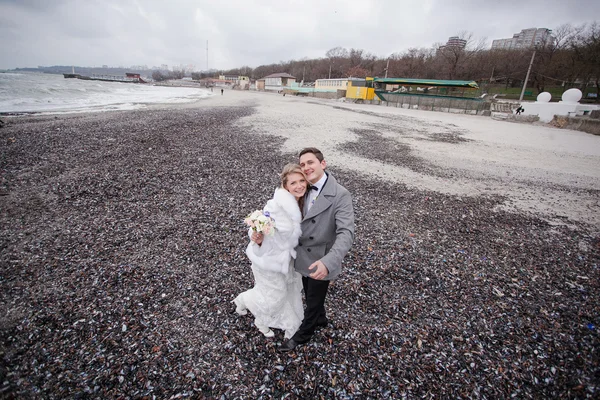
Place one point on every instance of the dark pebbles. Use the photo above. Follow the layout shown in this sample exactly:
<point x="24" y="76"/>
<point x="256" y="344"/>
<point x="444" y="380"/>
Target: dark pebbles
<point x="122" y="247"/>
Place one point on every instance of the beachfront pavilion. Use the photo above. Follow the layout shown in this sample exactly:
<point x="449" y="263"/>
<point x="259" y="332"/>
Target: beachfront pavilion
<point x="325" y="88"/>
<point x="387" y="89"/>
<point x="278" y="81"/>
<point x="334" y="84"/>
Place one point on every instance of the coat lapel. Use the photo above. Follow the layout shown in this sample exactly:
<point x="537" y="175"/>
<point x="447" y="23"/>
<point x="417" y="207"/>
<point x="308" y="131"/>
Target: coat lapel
<point x="320" y="205"/>
<point x="323" y="202"/>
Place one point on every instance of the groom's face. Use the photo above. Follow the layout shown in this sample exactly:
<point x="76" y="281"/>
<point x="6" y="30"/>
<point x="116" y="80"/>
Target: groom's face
<point x="312" y="167"/>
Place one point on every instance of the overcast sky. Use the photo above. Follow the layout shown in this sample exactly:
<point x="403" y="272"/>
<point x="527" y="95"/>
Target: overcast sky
<point x="254" y="32"/>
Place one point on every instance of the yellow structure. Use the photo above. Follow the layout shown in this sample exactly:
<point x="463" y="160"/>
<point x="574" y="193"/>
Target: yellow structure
<point x="362" y="89"/>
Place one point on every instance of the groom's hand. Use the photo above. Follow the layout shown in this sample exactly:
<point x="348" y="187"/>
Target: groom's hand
<point x="320" y="270"/>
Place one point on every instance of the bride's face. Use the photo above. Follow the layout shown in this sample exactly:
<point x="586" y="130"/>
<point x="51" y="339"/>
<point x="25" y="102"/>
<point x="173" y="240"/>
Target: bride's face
<point x="296" y="185"/>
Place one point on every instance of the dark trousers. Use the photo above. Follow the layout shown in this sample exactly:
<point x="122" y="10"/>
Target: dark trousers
<point x="314" y="313"/>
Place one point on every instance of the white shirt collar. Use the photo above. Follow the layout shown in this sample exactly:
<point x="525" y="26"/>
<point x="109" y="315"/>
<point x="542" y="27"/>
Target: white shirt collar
<point x="320" y="182"/>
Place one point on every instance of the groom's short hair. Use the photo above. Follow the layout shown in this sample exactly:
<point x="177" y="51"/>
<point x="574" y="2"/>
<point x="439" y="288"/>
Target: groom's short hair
<point x="313" y="150"/>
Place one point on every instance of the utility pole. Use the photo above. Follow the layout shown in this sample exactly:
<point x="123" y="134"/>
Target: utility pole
<point x="387" y="67"/>
<point x="527" y="77"/>
<point x="329" y="70"/>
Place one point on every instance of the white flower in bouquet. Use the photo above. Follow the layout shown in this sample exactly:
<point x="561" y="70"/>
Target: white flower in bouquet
<point x="261" y="222"/>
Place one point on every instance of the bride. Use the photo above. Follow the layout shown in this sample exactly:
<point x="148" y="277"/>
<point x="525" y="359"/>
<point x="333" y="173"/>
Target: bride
<point x="275" y="300"/>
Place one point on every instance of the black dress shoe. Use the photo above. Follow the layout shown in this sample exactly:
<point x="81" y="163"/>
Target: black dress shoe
<point x="289" y="345"/>
<point x="322" y="323"/>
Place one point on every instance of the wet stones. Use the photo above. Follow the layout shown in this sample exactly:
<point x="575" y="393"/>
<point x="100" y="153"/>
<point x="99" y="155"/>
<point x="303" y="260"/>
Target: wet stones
<point x="123" y="245"/>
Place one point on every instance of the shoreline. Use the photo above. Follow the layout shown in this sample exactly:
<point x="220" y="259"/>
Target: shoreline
<point x="538" y="169"/>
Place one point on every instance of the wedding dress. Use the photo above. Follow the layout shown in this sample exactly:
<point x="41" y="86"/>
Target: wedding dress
<point x="276" y="299"/>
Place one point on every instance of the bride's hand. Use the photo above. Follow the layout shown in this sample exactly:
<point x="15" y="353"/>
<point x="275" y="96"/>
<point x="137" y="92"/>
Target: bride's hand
<point x="257" y="238"/>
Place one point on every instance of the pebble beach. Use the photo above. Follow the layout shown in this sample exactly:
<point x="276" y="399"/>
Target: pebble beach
<point x="474" y="272"/>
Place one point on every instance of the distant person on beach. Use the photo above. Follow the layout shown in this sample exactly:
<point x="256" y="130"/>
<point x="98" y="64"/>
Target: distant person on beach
<point x="276" y="298"/>
<point x="221" y="92"/>
<point x="327" y="235"/>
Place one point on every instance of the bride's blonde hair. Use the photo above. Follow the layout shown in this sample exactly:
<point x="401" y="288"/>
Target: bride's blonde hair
<point x="288" y="170"/>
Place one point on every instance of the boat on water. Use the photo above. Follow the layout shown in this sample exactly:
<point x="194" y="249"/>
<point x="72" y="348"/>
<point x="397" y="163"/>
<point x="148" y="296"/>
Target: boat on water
<point x="128" y="78"/>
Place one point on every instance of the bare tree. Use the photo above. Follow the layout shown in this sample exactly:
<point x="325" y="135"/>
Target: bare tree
<point x="413" y="63"/>
<point x="456" y="57"/>
<point x="569" y="57"/>
<point x="338" y="57"/>
<point x="552" y="58"/>
<point x="357" y="72"/>
<point x="178" y="74"/>
<point x="565" y="64"/>
<point x="507" y="66"/>
<point x="586" y="46"/>
<point x="159" y="76"/>
<point x="337" y="52"/>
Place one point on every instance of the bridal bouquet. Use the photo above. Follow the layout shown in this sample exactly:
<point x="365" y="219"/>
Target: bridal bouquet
<point x="261" y="222"/>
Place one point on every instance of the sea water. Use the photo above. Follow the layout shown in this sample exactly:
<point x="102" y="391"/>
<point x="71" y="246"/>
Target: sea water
<point x="52" y="93"/>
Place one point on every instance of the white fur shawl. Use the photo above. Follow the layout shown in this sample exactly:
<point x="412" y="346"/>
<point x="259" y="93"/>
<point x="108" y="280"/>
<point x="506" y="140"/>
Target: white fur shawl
<point x="276" y="251"/>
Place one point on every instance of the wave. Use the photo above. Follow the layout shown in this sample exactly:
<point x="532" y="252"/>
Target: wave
<point x="47" y="93"/>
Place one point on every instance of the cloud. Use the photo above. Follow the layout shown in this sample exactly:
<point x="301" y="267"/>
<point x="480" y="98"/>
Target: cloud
<point x="252" y="32"/>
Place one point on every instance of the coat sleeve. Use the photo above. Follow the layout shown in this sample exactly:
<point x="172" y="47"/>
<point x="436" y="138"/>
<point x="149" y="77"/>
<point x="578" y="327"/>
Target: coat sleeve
<point x="276" y="251"/>
<point x="344" y="223"/>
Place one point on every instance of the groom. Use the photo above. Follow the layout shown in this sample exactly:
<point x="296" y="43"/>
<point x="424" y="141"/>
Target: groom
<point x="327" y="235"/>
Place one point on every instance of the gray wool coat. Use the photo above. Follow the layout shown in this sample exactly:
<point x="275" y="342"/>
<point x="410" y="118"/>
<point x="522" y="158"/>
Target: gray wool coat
<point x="327" y="230"/>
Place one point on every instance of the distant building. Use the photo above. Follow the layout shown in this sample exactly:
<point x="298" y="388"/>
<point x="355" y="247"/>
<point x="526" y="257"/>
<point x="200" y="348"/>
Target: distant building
<point x="237" y="81"/>
<point x="503" y="44"/>
<point x="331" y="84"/>
<point x="242" y="83"/>
<point x="336" y="83"/>
<point x="527" y="38"/>
<point x="231" y="78"/>
<point x="454" y="42"/>
<point x="279" y="81"/>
